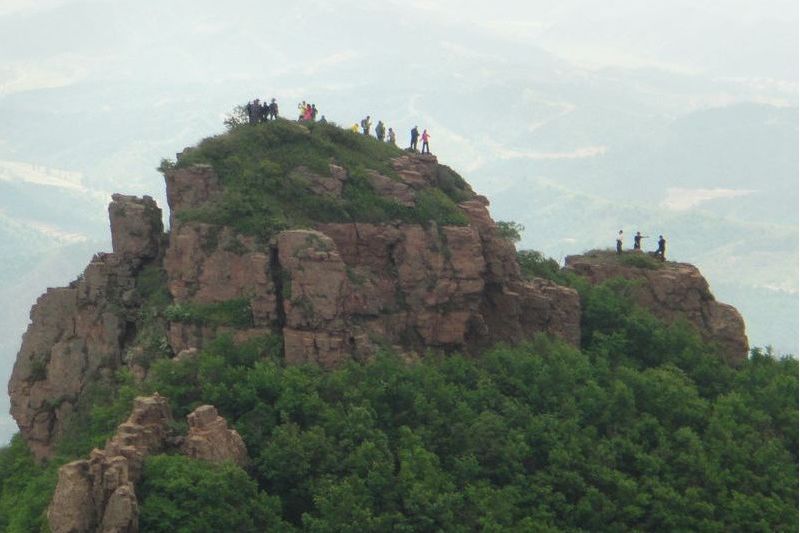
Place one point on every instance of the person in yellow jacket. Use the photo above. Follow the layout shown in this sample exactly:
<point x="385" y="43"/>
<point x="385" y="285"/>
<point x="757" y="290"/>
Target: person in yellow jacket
<point x="354" y="127"/>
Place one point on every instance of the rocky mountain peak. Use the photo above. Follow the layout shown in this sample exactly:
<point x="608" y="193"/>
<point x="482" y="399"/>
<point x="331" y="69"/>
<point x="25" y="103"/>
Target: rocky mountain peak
<point x="337" y="243"/>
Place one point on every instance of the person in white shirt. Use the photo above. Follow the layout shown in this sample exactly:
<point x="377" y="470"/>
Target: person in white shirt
<point x="619" y="243"/>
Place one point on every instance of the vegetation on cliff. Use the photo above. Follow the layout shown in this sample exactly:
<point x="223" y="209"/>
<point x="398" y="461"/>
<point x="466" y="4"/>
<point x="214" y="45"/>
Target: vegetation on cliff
<point x="642" y="428"/>
<point x="264" y="169"/>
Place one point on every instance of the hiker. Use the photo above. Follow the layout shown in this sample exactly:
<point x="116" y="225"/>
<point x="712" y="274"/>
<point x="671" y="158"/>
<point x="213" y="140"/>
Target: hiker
<point x="253" y="108"/>
<point x="301" y="108"/>
<point x="313" y="111"/>
<point x="263" y="112"/>
<point x="354" y="128"/>
<point x="619" y="243"/>
<point x="425" y="136"/>
<point x="662" y="248"/>
<point x="366" y="124"/>
<point x="273" y="110"/>
<point x="323" y="120"/>
<point x="414" y="135"/>
<point x="637" y="241"/>
<point x="391" y="137"/>
<point x="308" y="113"/>
<point x="380" y="131"/>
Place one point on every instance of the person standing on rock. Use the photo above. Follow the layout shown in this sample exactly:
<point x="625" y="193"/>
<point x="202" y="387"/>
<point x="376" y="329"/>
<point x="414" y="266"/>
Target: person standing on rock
<point x="301" y="109"/>
<point x="391" y="137"/>
<point x="380" y="131"/>
<point x="414" y="136"/>
<point x="619" y="242"/>
<point x="662" y="248"/>
<point x="366" y="124"/>
<point x="637" y="241"/>
<point x="425" y="136"/>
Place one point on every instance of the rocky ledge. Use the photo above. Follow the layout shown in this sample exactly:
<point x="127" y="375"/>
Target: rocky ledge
<point x="670" y="291"/>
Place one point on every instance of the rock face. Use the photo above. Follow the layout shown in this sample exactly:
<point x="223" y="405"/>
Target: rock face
<point x="78" y="333"/>
<point x="210" y="439"/>
<point x="98" y="494"/>
<point x="334" y="292"/>
<point x="337" y="291"/>
<point x="673" y="291"/>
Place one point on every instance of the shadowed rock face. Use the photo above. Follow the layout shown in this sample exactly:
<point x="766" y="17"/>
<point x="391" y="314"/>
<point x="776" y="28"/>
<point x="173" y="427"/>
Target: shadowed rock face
<point x="78" y="334"/>
<point x="671" y="292"/>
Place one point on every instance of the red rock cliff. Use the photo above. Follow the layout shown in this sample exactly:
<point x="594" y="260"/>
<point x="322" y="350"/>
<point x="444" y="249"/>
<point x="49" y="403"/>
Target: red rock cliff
<point x="672" y="291"/>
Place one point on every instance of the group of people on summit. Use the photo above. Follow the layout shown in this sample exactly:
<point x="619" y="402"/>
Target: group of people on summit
<point x="389" y="135"/>
<point x="258" y="111"/>
<point x="637" y="244"/>
<point x="261" y="112"/>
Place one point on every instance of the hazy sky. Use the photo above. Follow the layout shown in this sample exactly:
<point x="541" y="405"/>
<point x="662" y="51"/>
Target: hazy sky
<point x="58" y="42"/>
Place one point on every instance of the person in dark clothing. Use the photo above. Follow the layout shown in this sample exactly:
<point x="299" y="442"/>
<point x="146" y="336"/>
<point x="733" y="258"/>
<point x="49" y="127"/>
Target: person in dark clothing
<point x="414" y="137"/>
<point x="253" y="111"/>
<point x="380" y="130"/>
<point x="263" y="112"/>
<point x="323" y="120"/>
<point x="313" y="112"/>
<point x="637" y="241"/>
<point x="662" y="248"/>
<point x="619" y="243"/>
<point x="273" y="110"/>
<point x="366" y="124"/>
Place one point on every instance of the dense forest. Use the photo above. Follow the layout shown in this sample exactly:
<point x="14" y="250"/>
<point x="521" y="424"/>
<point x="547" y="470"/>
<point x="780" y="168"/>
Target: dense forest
<point x="642" y="428"/>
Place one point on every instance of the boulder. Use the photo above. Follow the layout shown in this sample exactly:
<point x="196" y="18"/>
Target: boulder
<point x="209" y="438"/>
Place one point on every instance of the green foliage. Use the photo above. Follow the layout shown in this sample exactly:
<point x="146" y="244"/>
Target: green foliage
<point x="25" y="489"/>
<point x="643" y="428"/>
<point x="179" y="494"/>
<point x="511" y="231"/>
<point x="235" y="313"/>
<point x="151" y="334"/>
<point x="640" y="260"/>
<point x="533" y="263"/>
<point x="265" y="193"/>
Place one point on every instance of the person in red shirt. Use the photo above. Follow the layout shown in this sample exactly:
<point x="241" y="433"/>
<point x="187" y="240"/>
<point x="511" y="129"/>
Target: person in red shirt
<point x="425" y="136"/>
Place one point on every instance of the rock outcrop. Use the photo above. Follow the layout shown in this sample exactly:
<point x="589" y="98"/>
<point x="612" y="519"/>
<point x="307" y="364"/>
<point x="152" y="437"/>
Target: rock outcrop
<point x="98" y="494"/>
<point x="339" y="290"/>
<point x="672" y="291"/>
<point x="334" y="291"/>
<point x="78" y="334"/>
<point x="211" y="440"/>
